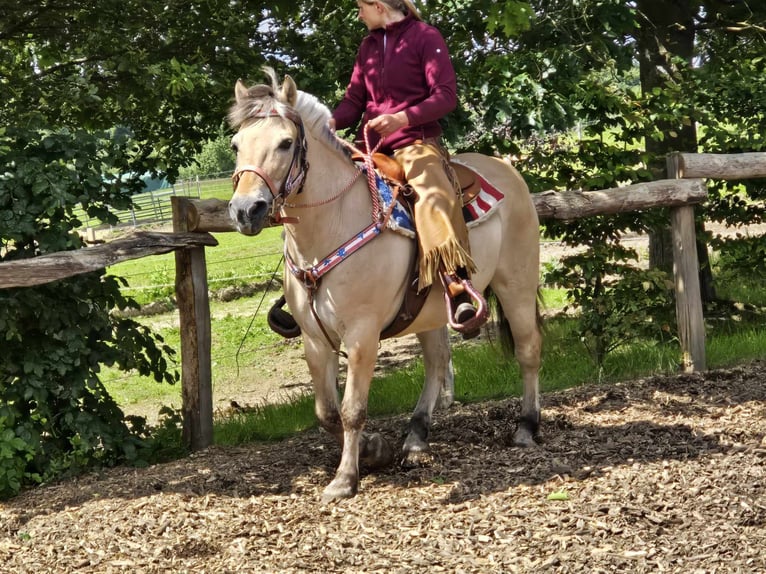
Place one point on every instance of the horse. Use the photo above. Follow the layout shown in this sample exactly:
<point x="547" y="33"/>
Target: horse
<point x="292" y="169"/>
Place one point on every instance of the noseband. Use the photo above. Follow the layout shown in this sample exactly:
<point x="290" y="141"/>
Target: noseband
<point x="299" y="165"/>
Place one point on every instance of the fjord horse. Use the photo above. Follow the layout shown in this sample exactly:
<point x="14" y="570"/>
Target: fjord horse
<point x="292" y="168"/>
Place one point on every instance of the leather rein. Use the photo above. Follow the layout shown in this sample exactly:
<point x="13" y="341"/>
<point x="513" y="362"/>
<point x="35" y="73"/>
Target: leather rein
<point x="310" y="277"/>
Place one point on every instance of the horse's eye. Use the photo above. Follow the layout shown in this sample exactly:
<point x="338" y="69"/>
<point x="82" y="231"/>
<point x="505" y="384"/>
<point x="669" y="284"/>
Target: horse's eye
<point x="285" y="144"/>
<point x="234" y="148"/>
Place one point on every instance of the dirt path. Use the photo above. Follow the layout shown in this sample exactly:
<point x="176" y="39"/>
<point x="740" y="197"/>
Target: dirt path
<point x="666" y="474"/>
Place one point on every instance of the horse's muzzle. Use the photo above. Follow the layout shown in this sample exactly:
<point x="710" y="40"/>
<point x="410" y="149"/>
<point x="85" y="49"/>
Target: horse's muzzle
<point x="248" y="215"/>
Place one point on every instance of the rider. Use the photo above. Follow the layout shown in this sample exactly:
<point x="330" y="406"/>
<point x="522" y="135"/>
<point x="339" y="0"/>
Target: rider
<point x="402" y="84"/>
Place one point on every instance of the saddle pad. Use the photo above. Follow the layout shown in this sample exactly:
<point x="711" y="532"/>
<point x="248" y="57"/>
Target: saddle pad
<point x="480" y="197"/>
<point x="401" y="220"/>
<point x="480" y="203"/>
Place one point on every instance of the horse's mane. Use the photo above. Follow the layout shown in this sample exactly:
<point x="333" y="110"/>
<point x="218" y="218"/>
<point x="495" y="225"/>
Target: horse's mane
<point x="262" y="97"/>
<point x="315" y="117"/>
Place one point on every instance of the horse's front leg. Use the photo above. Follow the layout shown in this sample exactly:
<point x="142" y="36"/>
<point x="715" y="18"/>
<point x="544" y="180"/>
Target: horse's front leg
<point x="323" y="367"/>
<point x="374" y="450"/>
<point x="437" y="360"/>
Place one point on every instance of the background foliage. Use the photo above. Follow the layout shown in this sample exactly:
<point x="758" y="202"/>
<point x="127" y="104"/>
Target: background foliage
<point x="587" y="95"/>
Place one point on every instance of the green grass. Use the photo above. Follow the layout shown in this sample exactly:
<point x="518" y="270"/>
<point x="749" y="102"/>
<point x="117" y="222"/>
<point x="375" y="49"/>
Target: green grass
<point x="739" y="290"/>
<point x="268" y="422"/>
<point x="554" y="298"/>
<point x="482" y="373"/>
<point x="229" y="333"/>
<point x="237" y="260"/>
<point x="215" y="189"/>
<point x="728" y="349"/>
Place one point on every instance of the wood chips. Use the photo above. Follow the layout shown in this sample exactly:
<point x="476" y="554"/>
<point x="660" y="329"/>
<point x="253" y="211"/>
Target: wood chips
<point x="666" y="474"/>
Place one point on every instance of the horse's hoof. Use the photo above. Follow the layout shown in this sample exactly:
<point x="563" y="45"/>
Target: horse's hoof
<point x="416" y="459"/>
<point x="415" y="443"/>
<point x="415" y="449"/>
<point x="524" y="438"/>
<point x="338" y="490"/>
<point x="376" y="452"/>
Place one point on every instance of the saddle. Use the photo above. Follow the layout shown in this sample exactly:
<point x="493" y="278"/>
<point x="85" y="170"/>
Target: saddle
<point x="470" y="186"/>
<point x="389" y="168"/>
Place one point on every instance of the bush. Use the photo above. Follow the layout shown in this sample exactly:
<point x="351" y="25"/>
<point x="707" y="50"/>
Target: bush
<point x="617" y="302"/>
<point x="741" y="256"/>
<point x="215" y="157"/>
<point x="56" y="417"/>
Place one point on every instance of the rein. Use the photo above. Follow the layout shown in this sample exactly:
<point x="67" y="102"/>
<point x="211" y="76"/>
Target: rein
<point x="328" y="200"/>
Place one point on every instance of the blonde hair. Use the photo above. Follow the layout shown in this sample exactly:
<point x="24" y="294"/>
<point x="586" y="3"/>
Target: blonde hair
<point x="403" y="6"/>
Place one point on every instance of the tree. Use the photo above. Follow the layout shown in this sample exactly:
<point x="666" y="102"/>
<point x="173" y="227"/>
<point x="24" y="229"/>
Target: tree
<point x="89" y="101"/>
<point x="668" y="42"/>
<point x="665" y="47"/>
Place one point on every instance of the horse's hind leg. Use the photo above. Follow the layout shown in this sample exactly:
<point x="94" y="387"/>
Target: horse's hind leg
<point x="521" y="314"/>
<point x="527" y="341"/>
<point x="437" y="360"/>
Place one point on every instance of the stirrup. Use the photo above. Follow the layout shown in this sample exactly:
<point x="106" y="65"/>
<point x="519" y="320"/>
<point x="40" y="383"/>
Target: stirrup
<point x="281" y="322"/>
<point x="461" y="319"/>
<point x="464" y="313"/>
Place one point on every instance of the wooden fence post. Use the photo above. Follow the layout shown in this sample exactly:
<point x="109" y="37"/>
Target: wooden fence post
<point x="691" y="324"/>
<point x="194" y="313"/>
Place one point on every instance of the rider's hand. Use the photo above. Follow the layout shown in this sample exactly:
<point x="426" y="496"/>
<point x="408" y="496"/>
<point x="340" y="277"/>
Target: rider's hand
<point x="387" y="124"/>
<point x="331" y="124"/>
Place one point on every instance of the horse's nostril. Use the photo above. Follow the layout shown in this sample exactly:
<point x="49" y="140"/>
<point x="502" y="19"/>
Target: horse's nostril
<point x="257" y="211"/>
<point x="248" y="214"/>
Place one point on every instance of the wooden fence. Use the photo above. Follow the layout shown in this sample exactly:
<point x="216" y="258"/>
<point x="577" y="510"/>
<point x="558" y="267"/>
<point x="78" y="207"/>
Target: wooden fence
<point x="194" y="219"/>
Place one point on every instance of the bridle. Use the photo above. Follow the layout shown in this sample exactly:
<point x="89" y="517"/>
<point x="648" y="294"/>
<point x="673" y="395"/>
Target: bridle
<point x="296" y="175"/>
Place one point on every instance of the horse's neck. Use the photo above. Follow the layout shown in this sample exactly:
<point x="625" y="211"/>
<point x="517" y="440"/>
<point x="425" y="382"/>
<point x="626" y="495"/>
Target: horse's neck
<point x="329" y="212"/>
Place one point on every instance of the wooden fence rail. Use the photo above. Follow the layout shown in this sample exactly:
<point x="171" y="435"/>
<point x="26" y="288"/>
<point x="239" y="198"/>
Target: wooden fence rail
<point x="193" y="219"/>
<point x="54" y="266"/>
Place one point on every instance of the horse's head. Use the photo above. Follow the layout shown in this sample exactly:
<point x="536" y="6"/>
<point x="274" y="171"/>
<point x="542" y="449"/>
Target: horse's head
<point x="271" y="151"/>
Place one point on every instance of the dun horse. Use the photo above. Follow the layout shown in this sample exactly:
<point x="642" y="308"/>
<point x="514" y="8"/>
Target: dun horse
<point x="290" y="167"/>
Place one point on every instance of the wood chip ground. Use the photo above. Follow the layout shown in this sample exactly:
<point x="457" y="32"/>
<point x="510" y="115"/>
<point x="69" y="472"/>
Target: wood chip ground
<point x="666" y="474"/>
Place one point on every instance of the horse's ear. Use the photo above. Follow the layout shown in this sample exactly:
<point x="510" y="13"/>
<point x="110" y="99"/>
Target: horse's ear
<point x="289" y="92"/>
<point x="240" y="91"/>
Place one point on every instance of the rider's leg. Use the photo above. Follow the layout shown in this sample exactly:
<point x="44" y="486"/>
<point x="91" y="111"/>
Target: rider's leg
<point x="442" y="233"/>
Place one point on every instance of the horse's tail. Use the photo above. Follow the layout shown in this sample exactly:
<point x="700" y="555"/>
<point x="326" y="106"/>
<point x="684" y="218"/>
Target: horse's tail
<point x="505" y="336"/>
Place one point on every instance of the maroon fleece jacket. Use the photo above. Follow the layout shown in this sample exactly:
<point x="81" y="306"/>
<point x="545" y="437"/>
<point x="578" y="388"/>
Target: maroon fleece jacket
<point x="413" y="73"/>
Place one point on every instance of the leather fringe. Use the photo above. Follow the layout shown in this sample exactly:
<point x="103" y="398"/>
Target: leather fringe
<point x="449" y="256"/>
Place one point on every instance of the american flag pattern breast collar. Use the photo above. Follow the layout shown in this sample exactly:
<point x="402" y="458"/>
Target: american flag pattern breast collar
<point x="310" y="277"/>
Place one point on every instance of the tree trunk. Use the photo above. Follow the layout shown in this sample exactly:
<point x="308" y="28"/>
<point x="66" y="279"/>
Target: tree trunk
<point x="667" y="32"/>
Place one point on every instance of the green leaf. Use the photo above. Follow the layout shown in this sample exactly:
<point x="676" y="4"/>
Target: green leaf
<point x="558" y="495"/>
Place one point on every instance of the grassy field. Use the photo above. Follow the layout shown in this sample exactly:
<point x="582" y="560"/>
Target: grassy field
<point x="245" y="352"/>
<point x="236" y="261"/>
